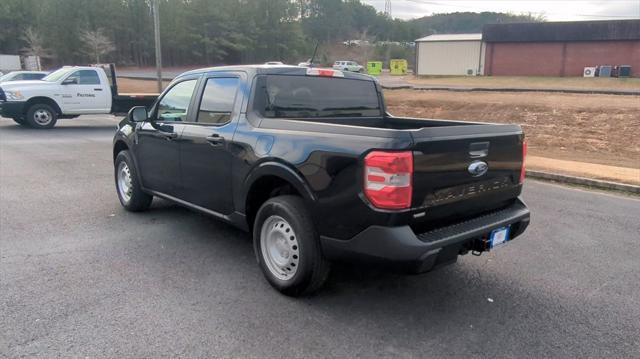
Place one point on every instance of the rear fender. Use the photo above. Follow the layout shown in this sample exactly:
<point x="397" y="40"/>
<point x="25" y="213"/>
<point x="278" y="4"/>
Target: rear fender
<point x="273" y="168"/>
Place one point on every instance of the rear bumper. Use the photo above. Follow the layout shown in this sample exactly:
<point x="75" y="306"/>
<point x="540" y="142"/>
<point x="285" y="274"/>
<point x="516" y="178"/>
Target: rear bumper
<point x="424" y="251"/>
<point x="12" y="109"/>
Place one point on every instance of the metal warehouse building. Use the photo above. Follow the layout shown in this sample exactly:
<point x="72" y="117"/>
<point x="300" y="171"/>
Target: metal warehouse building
<point x="450" y="54"/>
<point x="560" y="48"/>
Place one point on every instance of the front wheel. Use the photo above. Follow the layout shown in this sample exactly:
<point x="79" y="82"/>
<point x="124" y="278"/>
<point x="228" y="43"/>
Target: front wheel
<point x="41" y="116"/>
<point x="287" y="247"/>
<point x="130" y="193"/>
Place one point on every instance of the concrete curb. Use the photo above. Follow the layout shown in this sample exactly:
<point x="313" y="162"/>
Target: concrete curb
<point x="606" y="185"/>
<point x="509" y="89"/>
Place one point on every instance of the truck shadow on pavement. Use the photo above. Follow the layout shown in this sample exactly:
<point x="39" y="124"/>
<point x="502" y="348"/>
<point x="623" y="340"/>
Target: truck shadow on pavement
<point x="346" y="279"/>
<point x="477" y="305"/>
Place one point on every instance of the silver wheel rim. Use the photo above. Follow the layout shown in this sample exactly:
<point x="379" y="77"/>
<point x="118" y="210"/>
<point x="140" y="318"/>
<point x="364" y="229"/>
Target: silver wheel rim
<point x="125" y="186"/>
<point x="279" y="247"/>
<point x="42" y="117"/>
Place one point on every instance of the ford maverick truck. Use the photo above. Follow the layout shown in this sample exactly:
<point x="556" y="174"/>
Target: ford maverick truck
<point x="310" y="162"/>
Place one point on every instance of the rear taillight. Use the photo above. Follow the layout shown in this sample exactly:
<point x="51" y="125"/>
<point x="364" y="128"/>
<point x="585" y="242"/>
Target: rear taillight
<point x="388" y="179"/>
<point x="524" y="157"/>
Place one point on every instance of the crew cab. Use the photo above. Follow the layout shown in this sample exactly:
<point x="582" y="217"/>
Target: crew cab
<point x="67" y="93"/>
<point x="309" y="161"/>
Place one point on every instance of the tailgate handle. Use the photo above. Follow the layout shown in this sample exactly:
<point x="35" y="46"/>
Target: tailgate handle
<point x="479" y="149"/>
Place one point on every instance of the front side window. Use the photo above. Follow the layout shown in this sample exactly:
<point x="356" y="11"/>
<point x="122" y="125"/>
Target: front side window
<point x="57" y="75"/>
<point x="217" y="100"/>
<point x="175" y="103"/>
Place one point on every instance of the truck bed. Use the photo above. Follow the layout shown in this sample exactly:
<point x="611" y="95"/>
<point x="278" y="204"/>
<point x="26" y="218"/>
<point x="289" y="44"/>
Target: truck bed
<point x="443" y="151"/>
<point x="123" y="102"/>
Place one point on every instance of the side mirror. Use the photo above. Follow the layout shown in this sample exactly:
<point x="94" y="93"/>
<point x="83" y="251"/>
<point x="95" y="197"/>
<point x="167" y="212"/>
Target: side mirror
<point x="138" y="114"/>
<point x="70" y="81"/>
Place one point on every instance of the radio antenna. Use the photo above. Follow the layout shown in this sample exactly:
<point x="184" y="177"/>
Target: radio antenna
<point x="313" y="57"/>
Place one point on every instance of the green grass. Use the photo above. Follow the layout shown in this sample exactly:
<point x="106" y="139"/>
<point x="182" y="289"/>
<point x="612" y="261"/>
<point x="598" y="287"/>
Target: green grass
<point x="530" y="82"/>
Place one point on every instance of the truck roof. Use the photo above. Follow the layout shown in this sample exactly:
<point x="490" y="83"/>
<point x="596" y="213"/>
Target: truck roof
<point x="79" y="67"/>
<point x="263" y="69"/>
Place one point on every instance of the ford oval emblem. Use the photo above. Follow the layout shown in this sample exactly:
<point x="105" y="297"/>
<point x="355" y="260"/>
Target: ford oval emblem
<point x="478" y="168"/>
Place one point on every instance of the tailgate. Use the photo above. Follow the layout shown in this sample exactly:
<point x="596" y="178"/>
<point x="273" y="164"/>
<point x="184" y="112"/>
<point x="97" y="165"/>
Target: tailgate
<point x="465" y="170"/>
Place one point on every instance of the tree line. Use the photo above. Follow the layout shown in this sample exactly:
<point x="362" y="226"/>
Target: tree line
<point x="208" y="31"/>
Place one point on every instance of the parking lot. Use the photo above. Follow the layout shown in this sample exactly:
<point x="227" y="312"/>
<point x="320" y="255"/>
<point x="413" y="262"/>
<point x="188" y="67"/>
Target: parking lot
<point x="80" y="277"/>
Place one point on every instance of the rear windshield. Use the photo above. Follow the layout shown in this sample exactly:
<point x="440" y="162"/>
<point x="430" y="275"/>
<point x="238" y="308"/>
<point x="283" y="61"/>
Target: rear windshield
<point x="287" y="96"/>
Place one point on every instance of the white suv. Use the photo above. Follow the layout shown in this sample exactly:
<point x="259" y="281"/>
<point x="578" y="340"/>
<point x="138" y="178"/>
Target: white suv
<point x="348" y="66"/>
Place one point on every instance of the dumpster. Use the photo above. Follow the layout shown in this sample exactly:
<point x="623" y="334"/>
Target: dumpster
<point x="398" y="66"/>
<point x="374" y="68"/>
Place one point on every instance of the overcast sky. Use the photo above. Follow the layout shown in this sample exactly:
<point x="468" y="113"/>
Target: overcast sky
<point x="553" y="10"/>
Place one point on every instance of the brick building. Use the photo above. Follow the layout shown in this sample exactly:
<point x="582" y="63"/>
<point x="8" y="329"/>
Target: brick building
<point x="560" y="48"/>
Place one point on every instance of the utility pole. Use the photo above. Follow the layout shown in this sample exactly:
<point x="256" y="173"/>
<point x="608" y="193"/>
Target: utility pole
<point x="387" y="8"/>
<point x="156" y="31"/>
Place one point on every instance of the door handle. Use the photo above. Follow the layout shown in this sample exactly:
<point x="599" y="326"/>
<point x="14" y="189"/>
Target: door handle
<point x="97" y="89"/>
<point x="215" y="140"/>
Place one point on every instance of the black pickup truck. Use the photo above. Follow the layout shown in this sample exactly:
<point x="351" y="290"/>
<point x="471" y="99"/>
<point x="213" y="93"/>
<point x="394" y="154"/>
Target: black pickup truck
<point x="310" y="162"/>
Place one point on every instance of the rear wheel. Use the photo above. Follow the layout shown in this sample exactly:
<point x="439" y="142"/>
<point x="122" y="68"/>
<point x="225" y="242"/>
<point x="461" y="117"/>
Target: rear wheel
<point x="41" y="116"/>
<point x="129" y="191"/>
<point x="287" y="247"/>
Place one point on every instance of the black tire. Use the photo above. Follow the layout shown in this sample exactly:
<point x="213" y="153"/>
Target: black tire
<point x="138" y="200"/>
<point x="312" y="268"/>
<point x="41" y="116"/>
<point x="20" y="121"/>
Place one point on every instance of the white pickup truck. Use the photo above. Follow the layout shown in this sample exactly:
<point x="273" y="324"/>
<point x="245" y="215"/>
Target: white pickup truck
<point x="67" y="93"/>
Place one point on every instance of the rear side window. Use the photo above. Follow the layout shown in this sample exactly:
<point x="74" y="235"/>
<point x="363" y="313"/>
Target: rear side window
<point x="89" y="77"/>
<point x="287" y="96"/>
<point x="33" y="76"/>
<point x="85" y="77"/>
<point x="217" y="100"/>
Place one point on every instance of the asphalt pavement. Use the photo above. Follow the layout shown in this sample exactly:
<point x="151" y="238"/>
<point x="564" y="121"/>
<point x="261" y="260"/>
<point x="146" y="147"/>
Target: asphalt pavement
<point x="80" y="277"/>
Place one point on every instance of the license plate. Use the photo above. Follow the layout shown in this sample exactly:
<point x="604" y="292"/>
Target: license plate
<point x="498" y="236"/>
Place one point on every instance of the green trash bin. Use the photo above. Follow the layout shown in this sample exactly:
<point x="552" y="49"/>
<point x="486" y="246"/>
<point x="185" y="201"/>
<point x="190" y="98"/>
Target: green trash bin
<point x="398" y="66"/>
<point x="374" y="68"/>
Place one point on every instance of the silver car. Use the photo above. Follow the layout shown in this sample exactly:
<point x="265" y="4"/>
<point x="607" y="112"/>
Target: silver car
<point x="22" y="76"/>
